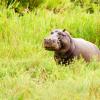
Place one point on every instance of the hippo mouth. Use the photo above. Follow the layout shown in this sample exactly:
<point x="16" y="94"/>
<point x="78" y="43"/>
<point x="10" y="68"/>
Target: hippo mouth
<point x="52" y="47"/>
<point x="49" y="48"/>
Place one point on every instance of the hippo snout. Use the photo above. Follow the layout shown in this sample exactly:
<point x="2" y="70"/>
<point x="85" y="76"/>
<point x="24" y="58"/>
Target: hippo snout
<point x="49" y="41"/>
<point x="51" y="44"/>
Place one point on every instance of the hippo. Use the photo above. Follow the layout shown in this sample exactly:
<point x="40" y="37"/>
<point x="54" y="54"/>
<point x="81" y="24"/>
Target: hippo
<point x="66" y="48"/>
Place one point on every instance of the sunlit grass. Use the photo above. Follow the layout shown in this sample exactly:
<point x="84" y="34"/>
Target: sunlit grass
<point x="29" y="72"/>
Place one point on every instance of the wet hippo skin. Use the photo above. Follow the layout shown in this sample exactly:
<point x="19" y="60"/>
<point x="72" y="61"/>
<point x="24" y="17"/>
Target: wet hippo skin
<point x="66" y="48"/>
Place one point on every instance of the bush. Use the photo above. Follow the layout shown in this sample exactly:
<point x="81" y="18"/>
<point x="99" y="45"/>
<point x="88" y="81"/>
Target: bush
<point x="21" y="3"/>
<point x="89" y="5"/>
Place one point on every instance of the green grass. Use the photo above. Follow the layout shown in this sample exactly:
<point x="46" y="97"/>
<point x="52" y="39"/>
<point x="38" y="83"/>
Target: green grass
<point x="29" y="72"/>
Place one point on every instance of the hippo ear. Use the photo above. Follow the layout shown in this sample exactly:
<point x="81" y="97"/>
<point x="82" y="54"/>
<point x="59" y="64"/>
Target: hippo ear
<point x="64" y="30"/>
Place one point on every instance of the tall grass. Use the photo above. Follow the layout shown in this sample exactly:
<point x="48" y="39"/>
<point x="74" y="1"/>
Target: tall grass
<point x="27" y="71"/>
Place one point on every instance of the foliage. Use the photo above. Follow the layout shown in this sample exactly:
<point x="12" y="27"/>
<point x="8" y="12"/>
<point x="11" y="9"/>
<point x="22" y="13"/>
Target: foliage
<point x="90" y="6"/>
<point x="21" y="4"/>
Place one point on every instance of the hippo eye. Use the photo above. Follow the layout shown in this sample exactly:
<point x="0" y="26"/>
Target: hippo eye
<point x="59" y="33"/>
<point x="59" y="39"/>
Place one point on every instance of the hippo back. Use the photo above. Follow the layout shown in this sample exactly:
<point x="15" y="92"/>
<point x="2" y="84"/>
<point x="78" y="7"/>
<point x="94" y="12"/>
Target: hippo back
<point x="85" y="48"/>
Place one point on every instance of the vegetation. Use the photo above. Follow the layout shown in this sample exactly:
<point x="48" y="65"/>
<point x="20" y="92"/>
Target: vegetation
<point x="27" y="70"/>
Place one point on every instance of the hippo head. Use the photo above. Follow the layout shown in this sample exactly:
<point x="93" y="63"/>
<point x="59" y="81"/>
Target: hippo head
<point x="59" y="40"/>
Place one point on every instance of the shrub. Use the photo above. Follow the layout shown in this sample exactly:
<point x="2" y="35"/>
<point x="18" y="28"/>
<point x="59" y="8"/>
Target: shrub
<point x="21" y="3"/>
